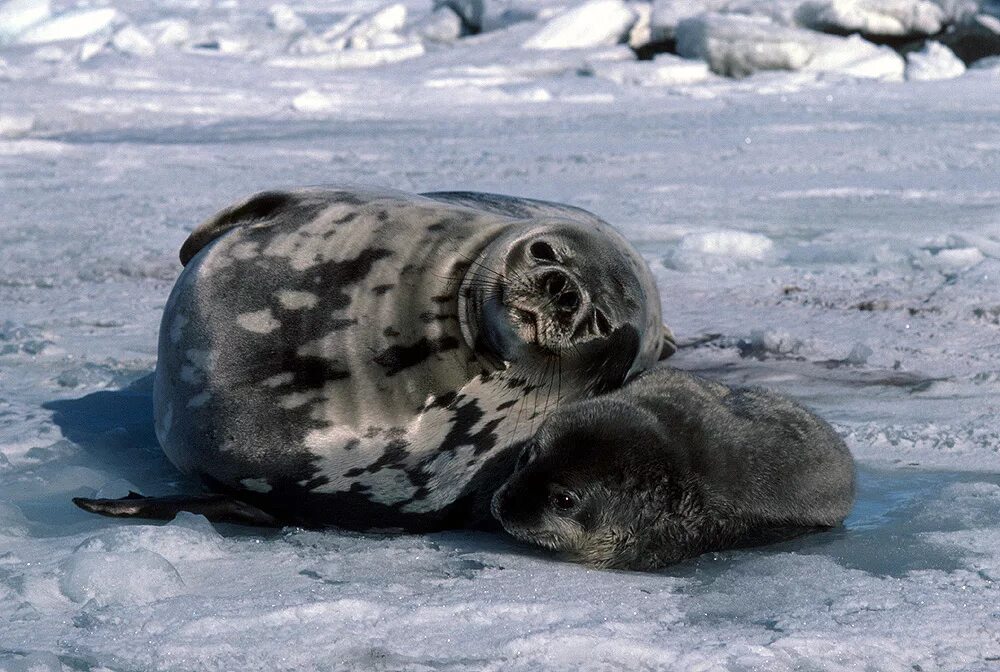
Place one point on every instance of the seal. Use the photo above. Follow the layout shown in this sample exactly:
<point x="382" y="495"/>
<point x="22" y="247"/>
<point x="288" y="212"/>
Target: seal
<point x="374" y="359"/>
<point x="670" y="466"/>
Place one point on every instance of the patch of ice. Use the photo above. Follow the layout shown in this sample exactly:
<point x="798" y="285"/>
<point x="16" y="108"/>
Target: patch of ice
<point x="131" y="577"/>
<point x="738" y="46"/>
<point x="594" y="23"/>
<point x="350" y="58"/>
<point x="934" y="61"/>
<point x="950" y="259"/>
<point x="188" y="537"/>
<point x="441" y="25"/>
<point x="284" y="20"/>
<point x="719" y="249"/>
<point x="873" y="17"/>
<point x="16" y="16"/>
<point x="74" y="25"/>
<point x="988" y="63"/>
<point x="130" y="40"/>
<point x="169" y="32"/>
<point x="314" y="101"/>
<point x="664" y="70"/>
<point x="16" y="125"/>
<point x="12" y="521"/>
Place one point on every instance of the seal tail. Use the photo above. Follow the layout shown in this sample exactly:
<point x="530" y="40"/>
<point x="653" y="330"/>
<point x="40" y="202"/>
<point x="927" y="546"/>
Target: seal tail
<point x="217" y="508"/>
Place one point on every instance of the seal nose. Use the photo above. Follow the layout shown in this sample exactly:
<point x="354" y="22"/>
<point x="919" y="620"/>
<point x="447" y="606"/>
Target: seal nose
<point x="561" y="291"/>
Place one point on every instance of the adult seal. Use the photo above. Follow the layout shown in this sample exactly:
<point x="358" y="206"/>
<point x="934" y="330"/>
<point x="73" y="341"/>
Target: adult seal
<point x="670" y="466"/>
<point x="373" y="359"/>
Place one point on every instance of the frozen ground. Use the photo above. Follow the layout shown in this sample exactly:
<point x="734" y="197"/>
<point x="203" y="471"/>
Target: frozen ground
<point x="832" y="238"/>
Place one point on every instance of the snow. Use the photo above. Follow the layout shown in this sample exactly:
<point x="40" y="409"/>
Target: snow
<point x="831" y="237"/>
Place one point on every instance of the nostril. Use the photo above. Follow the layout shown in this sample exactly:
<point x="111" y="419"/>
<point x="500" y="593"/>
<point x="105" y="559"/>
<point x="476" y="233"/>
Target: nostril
<point x="568" y="300"/>
<point x="554" y="284"/>
<point x="542" y="251"/>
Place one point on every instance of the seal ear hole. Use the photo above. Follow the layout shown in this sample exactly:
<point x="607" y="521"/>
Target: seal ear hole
<point x="542" y="251"/>
<point x="603" y="325"/>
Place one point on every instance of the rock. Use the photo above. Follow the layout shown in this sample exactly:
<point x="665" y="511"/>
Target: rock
<point x="16" y="16"/>
<point x="74" y="25"/>
<point x="595" y="23"/>
<point x="284" y="20"/>
<point x="130" y="40"/>
<point x="973" y="38"/>
<point x="873" y="17"/>
<point x="934" y="61"/>
<point x="737" y="46"/>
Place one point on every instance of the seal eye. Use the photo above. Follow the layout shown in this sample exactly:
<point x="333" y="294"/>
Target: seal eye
<point x="563" y="501"/>
<point x="542" y="251"/>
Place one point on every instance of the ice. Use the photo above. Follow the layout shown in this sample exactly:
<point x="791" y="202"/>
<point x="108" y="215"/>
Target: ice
<point x="132" y="577"/>
<point x="15" y="125"/>
<point x="73" y="25"/>
<point x="285" y="20"/>
<point x="664" y="70"/>
<point x="130" y="40"/>
<point x="874" y="17"/>
<point x="828" y="236"/>
<point x="934" y="61"/>
<point x="16" y="16"/>
<point x="741" y="45"/>
<point x="594" y="23"/>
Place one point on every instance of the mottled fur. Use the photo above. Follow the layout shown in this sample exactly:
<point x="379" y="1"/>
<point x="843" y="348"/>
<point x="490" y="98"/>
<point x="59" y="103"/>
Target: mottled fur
<point x="670" y="466"/>
<point x="373" y="359"/>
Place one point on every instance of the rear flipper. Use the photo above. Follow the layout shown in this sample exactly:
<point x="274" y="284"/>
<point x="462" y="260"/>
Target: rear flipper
<point x="217" y="508"/>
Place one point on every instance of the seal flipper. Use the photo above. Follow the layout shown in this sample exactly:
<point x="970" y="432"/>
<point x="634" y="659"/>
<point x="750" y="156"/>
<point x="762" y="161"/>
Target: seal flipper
<point x="217" y="508"/>
<point x="668" y="344"/>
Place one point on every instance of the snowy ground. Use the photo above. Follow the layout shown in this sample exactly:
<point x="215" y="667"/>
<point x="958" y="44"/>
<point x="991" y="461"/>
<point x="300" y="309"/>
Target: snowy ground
<point x="832" y="238"/>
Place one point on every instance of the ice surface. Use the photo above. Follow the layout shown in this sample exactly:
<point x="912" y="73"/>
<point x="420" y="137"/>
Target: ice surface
<point x="934" y="61"/>
<point x="829" y="237"/>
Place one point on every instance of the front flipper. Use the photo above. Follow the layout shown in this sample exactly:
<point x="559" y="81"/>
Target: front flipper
<point x="217" y="508"/>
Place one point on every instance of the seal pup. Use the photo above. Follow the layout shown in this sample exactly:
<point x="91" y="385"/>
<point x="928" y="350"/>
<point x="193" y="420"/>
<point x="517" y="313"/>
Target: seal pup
<point x="670" y="466"/>
<point x="369" y="358"/>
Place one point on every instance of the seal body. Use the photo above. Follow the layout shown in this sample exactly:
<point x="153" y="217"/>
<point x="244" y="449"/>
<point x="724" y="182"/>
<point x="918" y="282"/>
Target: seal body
<point x="370" y="359"/>
<point x="670" y="466"/>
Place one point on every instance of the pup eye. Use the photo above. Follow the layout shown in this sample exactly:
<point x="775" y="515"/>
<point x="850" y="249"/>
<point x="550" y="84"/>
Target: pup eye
<point x="564" y="501"/>
<point x="542" y="251"/>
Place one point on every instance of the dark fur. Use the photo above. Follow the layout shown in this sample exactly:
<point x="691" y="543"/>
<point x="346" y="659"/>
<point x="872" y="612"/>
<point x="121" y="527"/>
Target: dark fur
<point x="671" y="466"/>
